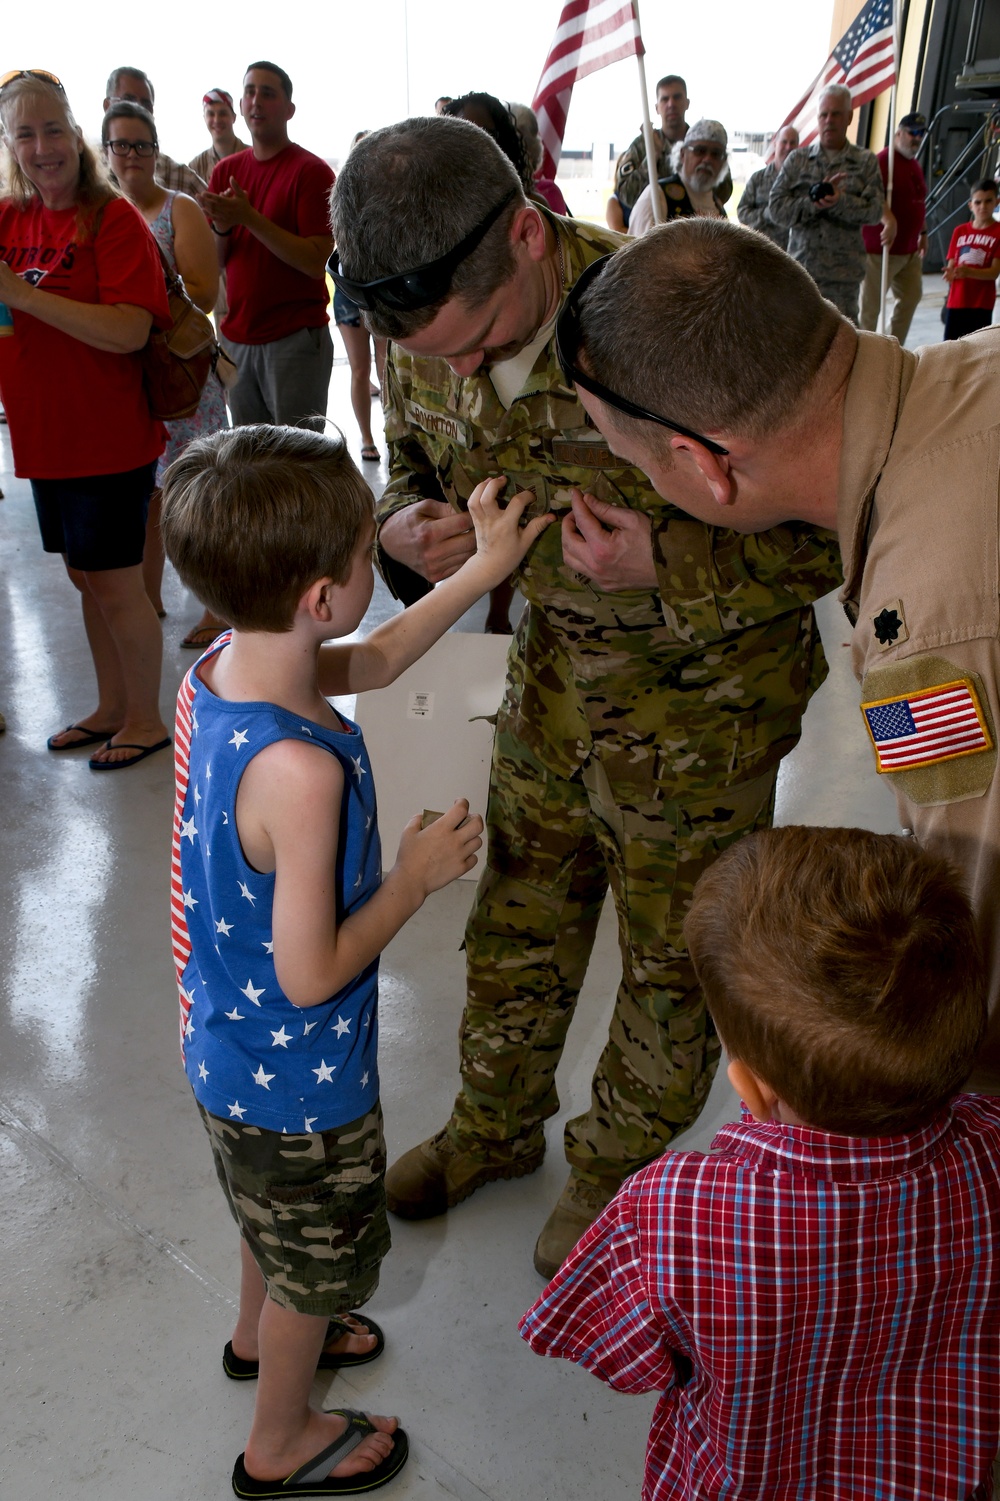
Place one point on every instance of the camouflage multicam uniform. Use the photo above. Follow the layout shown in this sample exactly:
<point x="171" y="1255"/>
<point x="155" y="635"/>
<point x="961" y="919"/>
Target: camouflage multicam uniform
<point x="632" y="174"/>
<point x="640" y="735"/>
<point x="827" y="241"/>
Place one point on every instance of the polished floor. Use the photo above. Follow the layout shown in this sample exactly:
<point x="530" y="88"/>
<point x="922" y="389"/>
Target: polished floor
<point x="120" y="1260"/>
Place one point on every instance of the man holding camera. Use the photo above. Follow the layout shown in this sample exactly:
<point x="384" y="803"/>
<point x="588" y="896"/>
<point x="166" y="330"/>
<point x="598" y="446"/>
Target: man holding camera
<point x="822" y="195"/>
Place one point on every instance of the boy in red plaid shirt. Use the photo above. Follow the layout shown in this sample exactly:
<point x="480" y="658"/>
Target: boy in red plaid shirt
<point x="816" y="1300"/>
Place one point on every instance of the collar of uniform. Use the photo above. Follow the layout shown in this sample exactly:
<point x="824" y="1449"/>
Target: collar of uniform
<point x="846" y="153"/>
<point x="577" y="244"/>
<point x="879" y="379"/>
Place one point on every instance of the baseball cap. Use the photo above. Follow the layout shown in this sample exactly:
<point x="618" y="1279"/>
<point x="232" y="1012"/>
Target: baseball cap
<point x="916" y="123"/>
<point x="217" y="96"/>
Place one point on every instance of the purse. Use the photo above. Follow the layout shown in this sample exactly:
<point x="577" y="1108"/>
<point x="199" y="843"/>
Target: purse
<point x="177" y="361"/>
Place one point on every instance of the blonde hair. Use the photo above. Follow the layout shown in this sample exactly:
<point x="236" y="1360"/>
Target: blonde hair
<point x="94" y="188"/>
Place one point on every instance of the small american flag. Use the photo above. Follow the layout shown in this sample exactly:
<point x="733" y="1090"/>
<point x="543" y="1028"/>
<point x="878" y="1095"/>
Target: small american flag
<point x="864" y="60"/>
<point x="922" y="729"/>
<point x="590" y="35"/>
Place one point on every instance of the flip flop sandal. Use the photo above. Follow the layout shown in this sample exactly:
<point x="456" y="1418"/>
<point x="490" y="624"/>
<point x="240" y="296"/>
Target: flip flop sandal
<point x="370" y="454"/>
<point x="238" y="1369"/>
<point x="314" y="1478"/>
<point x="144" y="751"/>
<point x="201" y="637"/>
<point x="88" y="737"/>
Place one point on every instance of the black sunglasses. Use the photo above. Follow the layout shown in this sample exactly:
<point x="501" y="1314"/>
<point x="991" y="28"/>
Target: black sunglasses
<point x="568" y="339"/>
<point x="409" y="290"/>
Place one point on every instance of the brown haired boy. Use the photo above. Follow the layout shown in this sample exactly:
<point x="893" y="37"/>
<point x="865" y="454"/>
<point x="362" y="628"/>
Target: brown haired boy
<point x="816" y="1299"/>
<point x="280" y="910"/>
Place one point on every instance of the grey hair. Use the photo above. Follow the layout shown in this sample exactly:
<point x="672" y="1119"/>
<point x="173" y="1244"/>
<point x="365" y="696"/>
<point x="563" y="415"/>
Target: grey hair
<point x="842" y="92"/>
<point x="115" y="78"/>
<point x="409" y="193"/>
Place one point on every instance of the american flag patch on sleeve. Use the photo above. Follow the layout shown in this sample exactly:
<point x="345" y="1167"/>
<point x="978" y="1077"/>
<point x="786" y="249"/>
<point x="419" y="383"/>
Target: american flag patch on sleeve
<point x="926" y="727"/>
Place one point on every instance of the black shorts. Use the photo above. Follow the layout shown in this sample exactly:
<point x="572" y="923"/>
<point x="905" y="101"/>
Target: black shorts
<point x="97" y="520"/>
<point x="960" y="321"/>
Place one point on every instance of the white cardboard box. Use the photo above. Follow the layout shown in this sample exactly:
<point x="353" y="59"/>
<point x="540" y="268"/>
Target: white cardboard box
<point x="428" y="734"/>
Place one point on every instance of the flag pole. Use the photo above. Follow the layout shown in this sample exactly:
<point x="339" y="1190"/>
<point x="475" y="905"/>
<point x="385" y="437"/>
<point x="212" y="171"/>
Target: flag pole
<point x="884" y="287"/>
<point x="647" y="130"/>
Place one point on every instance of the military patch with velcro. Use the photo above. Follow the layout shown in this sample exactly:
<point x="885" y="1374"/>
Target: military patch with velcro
<point x="931" y="729"/>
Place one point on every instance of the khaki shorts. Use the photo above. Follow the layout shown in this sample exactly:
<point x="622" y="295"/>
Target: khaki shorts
<point x="311" y="1208"/>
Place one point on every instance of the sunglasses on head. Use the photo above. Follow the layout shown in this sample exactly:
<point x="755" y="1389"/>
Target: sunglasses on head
<point x="408" y="291"/>
<point x="568" y="341"/>
<point x="38" y="73"/>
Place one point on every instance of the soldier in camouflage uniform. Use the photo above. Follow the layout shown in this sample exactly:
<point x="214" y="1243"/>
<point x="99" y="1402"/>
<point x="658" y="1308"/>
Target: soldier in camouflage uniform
<point x="825" y="233"/>
<point x="752" y="207"/>
<point x="632" y="169"/>
<point x="657" y="677"/>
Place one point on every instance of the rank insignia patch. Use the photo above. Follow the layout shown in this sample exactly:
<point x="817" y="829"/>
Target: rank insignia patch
<point x="889" y="626"/>
<point x="927" y="727"/>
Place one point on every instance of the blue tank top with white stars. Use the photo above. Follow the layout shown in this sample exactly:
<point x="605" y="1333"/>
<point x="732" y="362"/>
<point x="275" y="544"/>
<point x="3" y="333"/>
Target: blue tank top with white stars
<point x="250" y="1054"/>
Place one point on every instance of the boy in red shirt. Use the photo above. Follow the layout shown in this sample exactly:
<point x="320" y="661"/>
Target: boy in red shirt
<point x="816" y="1298"/>
<point x="973" y="265"/>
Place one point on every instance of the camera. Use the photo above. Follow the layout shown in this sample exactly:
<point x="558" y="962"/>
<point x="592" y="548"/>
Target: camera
<point x="820" y="190"/>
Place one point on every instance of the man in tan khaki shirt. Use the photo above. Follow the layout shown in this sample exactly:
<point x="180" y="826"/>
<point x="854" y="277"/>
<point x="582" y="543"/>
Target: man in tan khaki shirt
<point x="899" y="451"/>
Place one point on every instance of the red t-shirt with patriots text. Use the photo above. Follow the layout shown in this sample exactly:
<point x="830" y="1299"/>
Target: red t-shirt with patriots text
<point x="979" y="248"/>
<point x="269" y="299"/>
<point x="74" y="410"/>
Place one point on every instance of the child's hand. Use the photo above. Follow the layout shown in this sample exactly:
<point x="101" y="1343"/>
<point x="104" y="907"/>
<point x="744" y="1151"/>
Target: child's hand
<point x="501" y="542"/>
<point x="446" y="849"/>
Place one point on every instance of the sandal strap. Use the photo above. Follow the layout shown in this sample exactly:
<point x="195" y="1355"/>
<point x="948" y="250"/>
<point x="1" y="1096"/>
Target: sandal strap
<point x="320" y="1466"/>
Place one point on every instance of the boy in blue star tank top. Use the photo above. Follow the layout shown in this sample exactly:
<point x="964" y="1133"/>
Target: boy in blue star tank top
<point x="280" y="909"/>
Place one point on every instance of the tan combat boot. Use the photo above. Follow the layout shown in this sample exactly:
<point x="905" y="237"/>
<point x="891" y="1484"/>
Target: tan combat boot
<point x="438" y="1174"/>
<point x="577" y="1207"/>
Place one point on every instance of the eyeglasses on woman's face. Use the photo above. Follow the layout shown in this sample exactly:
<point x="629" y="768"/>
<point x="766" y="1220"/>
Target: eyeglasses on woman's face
<point x="142" y="149"/>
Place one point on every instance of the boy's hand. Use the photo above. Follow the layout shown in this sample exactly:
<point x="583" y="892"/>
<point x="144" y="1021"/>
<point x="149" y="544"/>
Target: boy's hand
<point x="501" y="541"/>
<point x="446" y="849"/>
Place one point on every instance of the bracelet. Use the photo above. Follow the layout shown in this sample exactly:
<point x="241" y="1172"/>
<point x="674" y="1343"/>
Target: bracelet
<point x="221" y="232"/>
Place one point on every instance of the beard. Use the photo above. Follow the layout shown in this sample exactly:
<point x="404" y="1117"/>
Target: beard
<point x="704" y="179"/>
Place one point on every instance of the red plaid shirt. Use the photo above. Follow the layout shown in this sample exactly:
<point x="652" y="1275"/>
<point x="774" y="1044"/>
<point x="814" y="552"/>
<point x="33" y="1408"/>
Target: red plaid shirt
<point x="821" y="1313"/>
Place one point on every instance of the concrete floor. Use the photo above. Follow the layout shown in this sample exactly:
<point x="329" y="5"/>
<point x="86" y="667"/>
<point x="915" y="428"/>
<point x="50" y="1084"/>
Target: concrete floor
<point x="120" y="1258"/>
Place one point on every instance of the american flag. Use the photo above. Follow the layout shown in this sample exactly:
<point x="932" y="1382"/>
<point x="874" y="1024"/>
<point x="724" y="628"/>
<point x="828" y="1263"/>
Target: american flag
<point x="179" y="935"/>
<point x="590" y="35"/>
<point x="922" y="729"/>
<point x="864" y="60"/>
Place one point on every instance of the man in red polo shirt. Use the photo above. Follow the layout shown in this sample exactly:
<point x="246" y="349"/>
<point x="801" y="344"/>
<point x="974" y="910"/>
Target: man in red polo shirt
<point x="269" y="208"/>
<point x="906" y="250"/>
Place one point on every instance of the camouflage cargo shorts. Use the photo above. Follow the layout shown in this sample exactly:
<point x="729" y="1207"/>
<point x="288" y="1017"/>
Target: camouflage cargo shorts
<point x="311" y="1208"/>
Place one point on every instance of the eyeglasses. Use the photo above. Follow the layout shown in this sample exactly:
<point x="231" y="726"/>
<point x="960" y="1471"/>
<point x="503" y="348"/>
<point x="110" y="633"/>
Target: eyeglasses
<point x="919" y="132"/>
<point x="712" y="152"/>
<point x="38" y="73"/>
<point x="409" y="290"/>
<point x="142" y="149"/>
<point x="568" y="341"/>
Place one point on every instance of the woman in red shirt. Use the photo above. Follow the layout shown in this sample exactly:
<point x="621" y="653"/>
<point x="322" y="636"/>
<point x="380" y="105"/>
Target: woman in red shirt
<point x="81" y="275"/>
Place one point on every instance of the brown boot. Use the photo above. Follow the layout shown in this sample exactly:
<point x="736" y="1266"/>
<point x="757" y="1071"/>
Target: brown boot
<point x="577" y="1207"/>
<point x="438" y="1174"/>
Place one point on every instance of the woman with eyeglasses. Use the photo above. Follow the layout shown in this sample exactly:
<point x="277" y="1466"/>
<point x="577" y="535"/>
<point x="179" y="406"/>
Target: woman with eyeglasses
<point x="128" y="136"/>
<point x="82" y="278"/>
